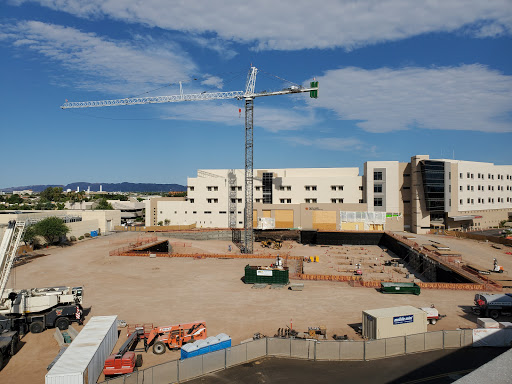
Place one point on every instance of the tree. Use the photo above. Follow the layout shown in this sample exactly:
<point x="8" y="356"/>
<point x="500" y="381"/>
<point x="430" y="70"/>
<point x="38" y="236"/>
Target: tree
<point x="104" y="205"/>
<point x="52" y="194"/>
<point x="167" y="221"/>
<point x="51" y="228"/>
<point x="29" y="236"/>
<point x="15" y="199"/>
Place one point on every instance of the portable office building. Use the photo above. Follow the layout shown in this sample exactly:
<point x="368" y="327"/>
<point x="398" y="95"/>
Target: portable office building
<point x="391" y="322"/>
<point x="83" y="360"/>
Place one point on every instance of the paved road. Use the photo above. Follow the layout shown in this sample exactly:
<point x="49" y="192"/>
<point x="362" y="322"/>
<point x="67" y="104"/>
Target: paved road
<point x="439" y="367"/>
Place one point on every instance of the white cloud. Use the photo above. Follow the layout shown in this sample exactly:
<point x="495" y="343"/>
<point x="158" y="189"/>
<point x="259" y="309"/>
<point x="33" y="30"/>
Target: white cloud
<point x="103" y="64"/>
<point x="213" y="81"/>
<point x="331" y="143"/>
<point x="469" y="97"/>
<point x="298" y="24"/>
<point x="270" y="119"/>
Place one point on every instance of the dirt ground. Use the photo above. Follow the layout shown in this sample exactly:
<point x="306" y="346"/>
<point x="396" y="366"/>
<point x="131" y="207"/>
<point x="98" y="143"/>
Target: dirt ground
<point x="166" y="291"/>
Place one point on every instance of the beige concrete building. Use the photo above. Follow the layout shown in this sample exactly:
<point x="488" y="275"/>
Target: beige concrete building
<point x="414" y="196"/>
<point x="79" y="222"/>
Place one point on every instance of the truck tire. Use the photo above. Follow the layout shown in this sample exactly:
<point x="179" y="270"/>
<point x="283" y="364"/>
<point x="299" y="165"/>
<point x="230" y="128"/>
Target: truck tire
<point x="138" y="361"/>
<point x="494" y="314"/>
<point x="1" y="360"/>
<point x="433" y="321"/>
<point x="14" y="345"/>
<point x="62" y="323"/>
<point x="159" y="348"/>
<point x="36" y="327"/>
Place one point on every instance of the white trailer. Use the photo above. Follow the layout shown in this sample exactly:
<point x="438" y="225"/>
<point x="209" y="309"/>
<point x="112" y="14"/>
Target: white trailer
<point x="83" y="360"/>
<point x="391" y="322"/>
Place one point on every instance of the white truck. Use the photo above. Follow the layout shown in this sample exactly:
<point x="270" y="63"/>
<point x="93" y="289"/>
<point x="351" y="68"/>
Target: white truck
<point x="493" y="305"/>
<point x="42" y="308"/>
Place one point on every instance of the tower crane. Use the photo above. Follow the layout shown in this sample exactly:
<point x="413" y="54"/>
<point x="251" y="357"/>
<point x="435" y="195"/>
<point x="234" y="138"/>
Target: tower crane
<point x="248" y="96"/>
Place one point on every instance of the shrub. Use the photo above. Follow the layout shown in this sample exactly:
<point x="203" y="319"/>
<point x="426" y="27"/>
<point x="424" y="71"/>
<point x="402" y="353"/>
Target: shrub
<point x="87" y="234"/>
<point x="72" y="238"/>
<point x="81" y="238"/>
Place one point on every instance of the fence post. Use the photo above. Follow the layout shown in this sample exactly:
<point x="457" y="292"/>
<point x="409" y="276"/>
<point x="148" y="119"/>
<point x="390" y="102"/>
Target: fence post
<point x="225" y="358"/>
<point x="266" y="348"/>
<point x="364" y="350"/>
<point x="178" y="370"/>
<point x="314" y="351"/>
<point x="443" y="339"/>
<point x="405" y="345"/>
<point x="290" y="347"/>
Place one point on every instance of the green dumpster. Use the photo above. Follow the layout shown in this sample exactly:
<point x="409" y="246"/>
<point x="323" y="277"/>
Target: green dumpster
<point x="266" y="275"/>
<point x="389" y="287"/>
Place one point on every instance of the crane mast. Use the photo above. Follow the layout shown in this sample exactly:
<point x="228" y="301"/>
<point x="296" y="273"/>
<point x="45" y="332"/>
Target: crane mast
<point x="8" y="248"/>
<point x="248" y="95"/>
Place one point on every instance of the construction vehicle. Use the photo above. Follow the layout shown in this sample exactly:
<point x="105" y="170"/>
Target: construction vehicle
<point x="9" y="332"/>
<point x="497" y="268"/>
<point x="125" y="360"/>
<point x="35" y="308"/>
<point x="433" y="315"/>
<point x="493" y="305"/>
<point x="174" y="336"/>
<point x="274" y="244"/>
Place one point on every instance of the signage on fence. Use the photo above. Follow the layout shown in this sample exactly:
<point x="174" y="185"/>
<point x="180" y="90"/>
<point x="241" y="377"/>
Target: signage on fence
<point x="403" y="319"/>
<point x="261" y="272"/>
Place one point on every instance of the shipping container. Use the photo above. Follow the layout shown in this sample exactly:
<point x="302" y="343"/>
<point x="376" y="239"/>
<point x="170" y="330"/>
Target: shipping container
<point x="391" y="322"/>
<point x="266" y="275"/>
<point x="200" y="347"/>
<point x="83" y="360"/>
<point x="389" y="287"/>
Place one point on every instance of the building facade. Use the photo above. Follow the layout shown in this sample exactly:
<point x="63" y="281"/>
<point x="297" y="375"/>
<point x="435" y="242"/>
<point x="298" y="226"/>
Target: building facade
<point x="414" y="196"/>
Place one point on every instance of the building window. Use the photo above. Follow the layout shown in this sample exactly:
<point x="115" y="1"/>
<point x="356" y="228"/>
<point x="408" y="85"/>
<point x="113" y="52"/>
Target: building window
<point x="450" y="188"/>
<point x="472" y="188"/>
<point x="361" y="201"/>
<point x="310" y="187"/>
<point x="239" y="188"/>
<point x="377" y="202"/>
<point x="222" y="212"/>
<point x="407" y="175"/>
<point x="407" y="187"/>
<point x="467" y="175"/>
<point x="407" y="201"/>
<point x="207" y="212"/>
<point x="339" y="201"/>
<point x="239" y="200"/>
<point x="460" y="188"/>
<point x="469" y="201"/>
<point x="449" y="175"/>
<point x="460" y="202"/>
<point x="281" y="201"/>
<point x="377" y="188"/>
<point x="288" y="188"/>
<point x="258" y="188"/>
<point x="377" y="175"/>
<point x="281" y="188"/>
<point x="209" y="201"/>
<point x="191" y="188"/>
<point x="472" y="201"/>
<point x="307" y="201"/>
<point x="209" y="188"/>
<point x="194" y="212"/>
<point x="333" y="187"/>
<point x="258" y="200"/>
<point x="360" y="187"/>
<point x="460" y="175"/>
<point x="333" y="200"/>
<point x="469" y="188"/>
<point x="289" y="201"/>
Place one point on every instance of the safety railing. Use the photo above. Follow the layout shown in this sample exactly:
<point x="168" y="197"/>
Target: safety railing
<point x="176" y="371"/>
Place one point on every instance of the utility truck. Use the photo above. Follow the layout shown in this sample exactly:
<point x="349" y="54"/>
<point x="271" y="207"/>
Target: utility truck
<point x="493" y="305"/>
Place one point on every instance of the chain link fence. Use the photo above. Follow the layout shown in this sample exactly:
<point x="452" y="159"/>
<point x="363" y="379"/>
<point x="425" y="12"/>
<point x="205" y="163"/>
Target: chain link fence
<point x="180" y="370"/>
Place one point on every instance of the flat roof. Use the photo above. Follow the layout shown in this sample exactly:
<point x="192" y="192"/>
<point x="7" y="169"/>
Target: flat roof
<point x="393" y="311"/>
<point x="79" y="354"/>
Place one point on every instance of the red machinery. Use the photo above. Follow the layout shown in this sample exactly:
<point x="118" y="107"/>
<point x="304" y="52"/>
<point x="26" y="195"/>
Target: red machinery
<point x="125" y="360"/>
<point x="174" y="336"/>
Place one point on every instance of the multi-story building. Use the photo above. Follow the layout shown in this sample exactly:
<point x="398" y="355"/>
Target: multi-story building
<point x="414" y="196"/>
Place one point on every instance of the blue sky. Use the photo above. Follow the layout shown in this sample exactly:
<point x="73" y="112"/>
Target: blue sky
<point x="397" y="78"/>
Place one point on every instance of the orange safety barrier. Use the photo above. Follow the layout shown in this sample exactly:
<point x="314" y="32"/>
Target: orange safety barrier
<point x="203" y="255"/>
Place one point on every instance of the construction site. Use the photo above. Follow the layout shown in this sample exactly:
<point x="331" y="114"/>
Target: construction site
<point x="172" y="278"/>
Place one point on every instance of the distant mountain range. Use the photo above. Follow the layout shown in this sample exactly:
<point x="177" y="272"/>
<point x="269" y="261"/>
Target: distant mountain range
<point x="106" y="187"/>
